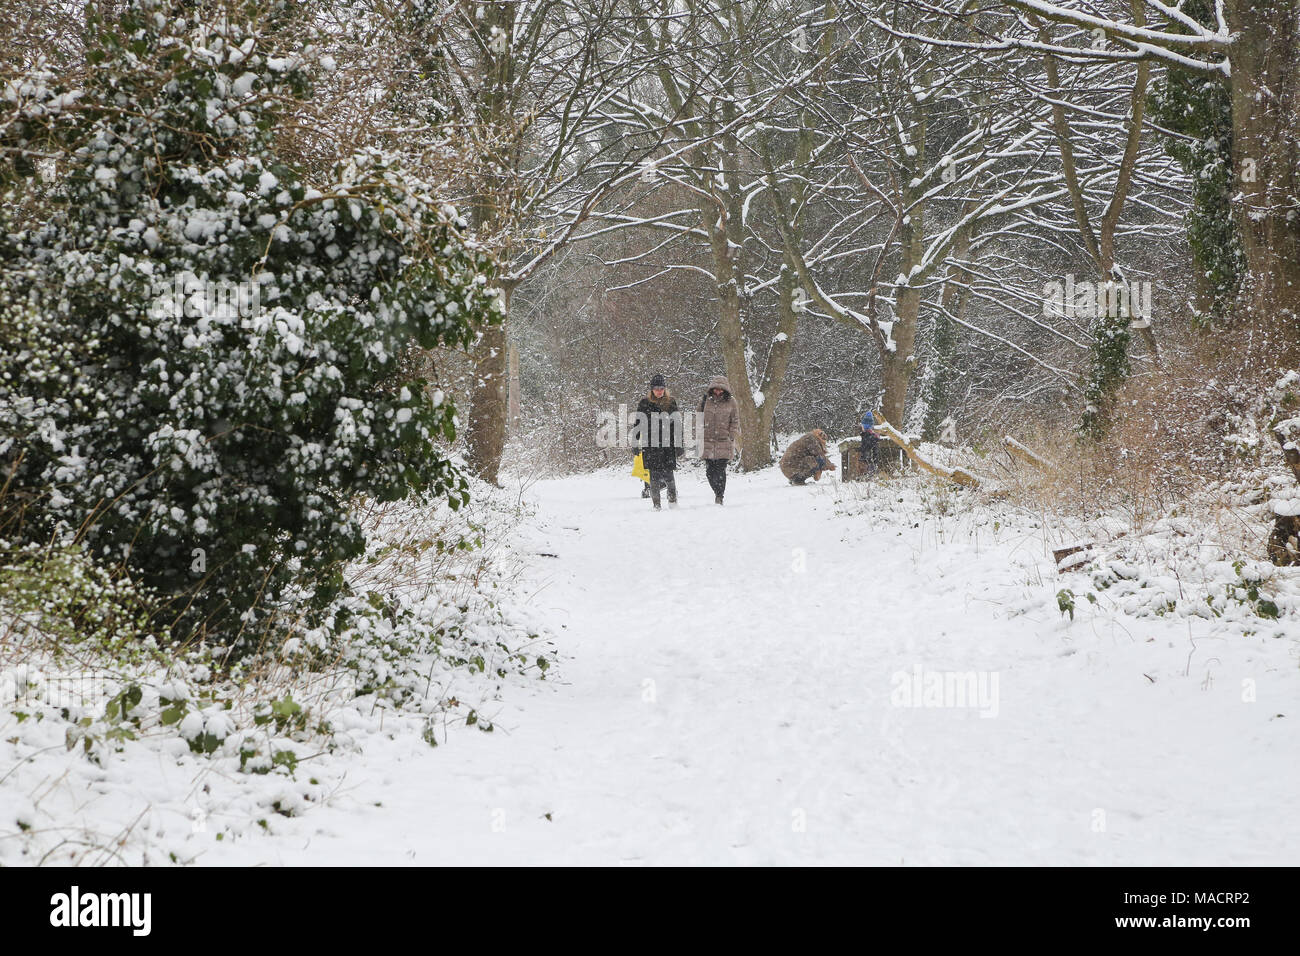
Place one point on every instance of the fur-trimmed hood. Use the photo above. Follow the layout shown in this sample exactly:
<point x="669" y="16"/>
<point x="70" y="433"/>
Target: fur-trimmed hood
<point x="719" y="381"/>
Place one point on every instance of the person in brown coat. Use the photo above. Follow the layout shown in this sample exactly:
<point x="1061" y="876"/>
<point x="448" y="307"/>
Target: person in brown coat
<point x="721" y="433"/>
<point x="806" y="458"/>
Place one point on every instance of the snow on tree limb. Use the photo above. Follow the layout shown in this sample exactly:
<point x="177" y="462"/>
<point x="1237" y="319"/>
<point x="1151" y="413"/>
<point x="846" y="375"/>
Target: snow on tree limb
<point x="1024" y="454"/>
<point x="959" y="476"/>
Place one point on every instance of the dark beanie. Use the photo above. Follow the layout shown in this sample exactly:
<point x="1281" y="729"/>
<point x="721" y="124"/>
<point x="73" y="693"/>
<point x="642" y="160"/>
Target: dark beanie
<point x="658" y="382"/>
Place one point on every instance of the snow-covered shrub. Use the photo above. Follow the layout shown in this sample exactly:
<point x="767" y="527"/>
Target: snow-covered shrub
<point x="436" y="636"/>
<point x="209" y="441"/>
<point x="60" y="595"/>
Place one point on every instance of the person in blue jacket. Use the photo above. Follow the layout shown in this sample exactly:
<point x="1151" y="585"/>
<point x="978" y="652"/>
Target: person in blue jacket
<point x="870" y="439"/>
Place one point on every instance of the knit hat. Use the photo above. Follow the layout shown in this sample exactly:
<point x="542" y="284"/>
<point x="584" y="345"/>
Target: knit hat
<point x="658" y="382"/>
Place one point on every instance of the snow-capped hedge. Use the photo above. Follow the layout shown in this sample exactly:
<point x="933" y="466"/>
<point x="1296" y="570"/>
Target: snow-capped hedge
<point x="200" y="349"/>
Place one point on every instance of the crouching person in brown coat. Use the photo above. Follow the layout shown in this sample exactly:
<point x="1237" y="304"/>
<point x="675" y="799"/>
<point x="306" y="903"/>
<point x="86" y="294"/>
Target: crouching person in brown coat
<point x="806" y="458"/>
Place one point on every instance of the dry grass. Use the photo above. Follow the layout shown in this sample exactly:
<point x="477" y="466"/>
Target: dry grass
<point x="1186" y="440"/>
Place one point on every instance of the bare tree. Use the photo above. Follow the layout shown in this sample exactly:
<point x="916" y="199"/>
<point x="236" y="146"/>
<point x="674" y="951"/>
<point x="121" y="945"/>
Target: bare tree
<point x="529" y="86"/>
<point x="1256" y="46"/>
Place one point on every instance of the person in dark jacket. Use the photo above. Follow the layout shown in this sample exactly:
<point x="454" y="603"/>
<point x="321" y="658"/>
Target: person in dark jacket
<point x="662" y="441"/>
<point x="721" y="433"/>
<point x="806" y="458"/>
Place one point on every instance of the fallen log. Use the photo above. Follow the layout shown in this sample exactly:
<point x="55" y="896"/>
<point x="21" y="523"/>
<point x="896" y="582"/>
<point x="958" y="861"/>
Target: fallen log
<point x="1029" y="457"/>
<point x="958" y="475"/>
<point x="1072" y="556"/>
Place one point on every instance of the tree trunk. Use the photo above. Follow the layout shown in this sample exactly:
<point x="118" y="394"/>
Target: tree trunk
<point x="938" y="379"/>
<point x="753" y="449"/>
<point x="491" y="213"/>
<point x="778" y="362"/>
<point x="486" y="437"/>
<point x="513" y="355"/>
<point x="1266" y="156"/>
<point x="900" y="364"/>
<point x="725" y="239"/>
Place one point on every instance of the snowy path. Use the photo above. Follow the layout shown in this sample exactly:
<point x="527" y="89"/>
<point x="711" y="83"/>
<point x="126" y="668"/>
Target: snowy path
<point x="717" y="705"/>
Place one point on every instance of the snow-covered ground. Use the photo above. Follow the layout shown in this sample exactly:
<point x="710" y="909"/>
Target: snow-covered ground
<point x="822" y="674"/>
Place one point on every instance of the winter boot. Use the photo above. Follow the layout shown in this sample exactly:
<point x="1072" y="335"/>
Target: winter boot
<point x="717" y="499"/>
